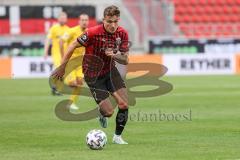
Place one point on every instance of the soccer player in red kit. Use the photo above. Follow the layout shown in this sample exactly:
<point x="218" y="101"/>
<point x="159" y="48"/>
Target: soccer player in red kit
<point x="105" y="44"/>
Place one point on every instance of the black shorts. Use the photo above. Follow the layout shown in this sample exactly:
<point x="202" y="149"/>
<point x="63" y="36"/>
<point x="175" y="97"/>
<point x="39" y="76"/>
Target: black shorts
<point x="103" y="85"/>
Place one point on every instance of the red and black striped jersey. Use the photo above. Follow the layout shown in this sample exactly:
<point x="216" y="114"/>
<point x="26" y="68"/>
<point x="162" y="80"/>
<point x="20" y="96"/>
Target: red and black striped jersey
<point x="97" y="40"/>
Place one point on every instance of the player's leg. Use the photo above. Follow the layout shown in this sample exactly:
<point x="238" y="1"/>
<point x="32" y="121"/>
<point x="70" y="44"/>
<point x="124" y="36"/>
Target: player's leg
<point x="122" y="114"/>
<point x="79" y="76"/>
<point x="70" y="75"/>
<point x="56" y="58"/>
<point x="78" y="79"/>
<point x="105" y="110"/>
<point x="119" y="92"/>
<point x="73" y="72"/>
<point x="100" y="94"/>
<point x="74" y="98"/>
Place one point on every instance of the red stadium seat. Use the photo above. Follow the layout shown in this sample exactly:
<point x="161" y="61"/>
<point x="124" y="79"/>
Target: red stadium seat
<point x="205" y="18"/>
<point x="208" y="9"/>
<point x="229" y="28"/>
<point x="227" y="9"/>
<point x="196" y="18"/>
<point x="199" y="9"/>
<point x="220" y="2"/>
<point x="224" y="18"/>
<point x="234" y="18"/>
<point x="183" y="2"/>
<point x="217" y="9"/>
<point x="180" y="10"/>
<point x="178" y="18"/>
<point x="192" y="2"/>
<point x="187" y="18"/>
<point x="231" y="2"/>
<point x="236" y="9"/>
<point x="212" y="2"/>
<point x="215" y="18"/>
<point x="202" y="2"/>
<point x="191" y="9"/>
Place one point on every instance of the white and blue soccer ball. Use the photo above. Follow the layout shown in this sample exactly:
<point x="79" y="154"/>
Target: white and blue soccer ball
<point x="96" y="139"/>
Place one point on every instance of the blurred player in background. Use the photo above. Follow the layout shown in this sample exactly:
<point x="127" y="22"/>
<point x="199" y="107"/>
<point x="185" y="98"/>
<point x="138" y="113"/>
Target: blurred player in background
<point x="105" y="44"/>
<point x="74" y="75"/>
<point x="53" y="37"/>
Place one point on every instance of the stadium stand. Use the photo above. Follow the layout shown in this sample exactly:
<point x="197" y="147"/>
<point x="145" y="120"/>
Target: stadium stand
<point x="147" y="8"/>
<point x="146" y="20"/>
<point x="207" y="18"/>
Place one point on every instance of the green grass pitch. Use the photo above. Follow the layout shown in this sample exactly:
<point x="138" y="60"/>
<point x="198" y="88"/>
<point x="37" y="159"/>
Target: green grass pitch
<point x="29" y="129"/>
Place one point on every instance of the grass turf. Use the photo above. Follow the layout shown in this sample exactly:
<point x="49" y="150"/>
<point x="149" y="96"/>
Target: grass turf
<point x="30" y="130"/>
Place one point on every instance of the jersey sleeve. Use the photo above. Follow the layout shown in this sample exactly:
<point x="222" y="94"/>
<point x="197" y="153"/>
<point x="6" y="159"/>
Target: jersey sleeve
<point x="85" y="39"/>
<point x="124" y="45"/>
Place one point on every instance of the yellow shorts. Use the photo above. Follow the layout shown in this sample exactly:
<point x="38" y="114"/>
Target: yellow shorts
<point x="72" y="76"/>
<point x="73" y="70"/>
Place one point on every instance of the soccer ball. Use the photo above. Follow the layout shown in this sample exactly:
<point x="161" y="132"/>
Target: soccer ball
<point x="96" y="139"/>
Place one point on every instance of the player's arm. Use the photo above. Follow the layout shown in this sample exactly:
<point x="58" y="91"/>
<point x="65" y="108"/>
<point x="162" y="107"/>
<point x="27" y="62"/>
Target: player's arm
<point x="46" y="47"/>
<point x="64" y="39"/>
<point x="82" y="40"/>
<point x="120" y="57"/>
<point x="61" y="45"/>
<point x="48" y="42"/>
<point x="61" y="70"/>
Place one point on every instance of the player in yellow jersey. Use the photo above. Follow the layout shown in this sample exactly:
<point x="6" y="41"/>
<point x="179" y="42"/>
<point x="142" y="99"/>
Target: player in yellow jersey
<point x="74" y="76"/>
<point x="53" y="37"/>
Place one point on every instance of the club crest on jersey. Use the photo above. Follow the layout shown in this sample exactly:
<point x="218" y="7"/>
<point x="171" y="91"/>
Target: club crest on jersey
<point x="118" y="41"/>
